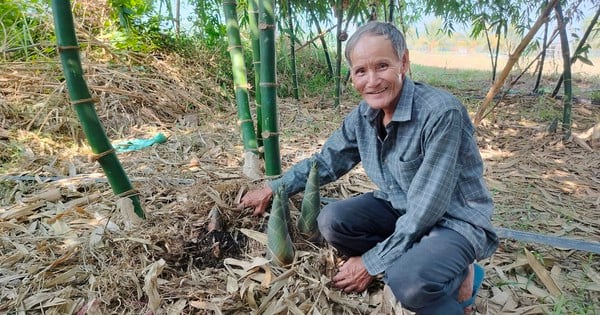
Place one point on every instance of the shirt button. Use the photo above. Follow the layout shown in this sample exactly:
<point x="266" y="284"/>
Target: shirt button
<point x="391" y="187"/>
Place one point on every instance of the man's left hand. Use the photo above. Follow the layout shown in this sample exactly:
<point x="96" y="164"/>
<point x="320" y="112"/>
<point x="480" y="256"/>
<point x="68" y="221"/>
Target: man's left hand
<point x="353" y="276"/>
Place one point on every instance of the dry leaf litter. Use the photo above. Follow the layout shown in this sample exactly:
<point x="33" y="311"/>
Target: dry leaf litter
<point x="69" y="246"/>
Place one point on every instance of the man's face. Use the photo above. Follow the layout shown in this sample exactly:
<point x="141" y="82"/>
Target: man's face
<point x="377" y="72"/>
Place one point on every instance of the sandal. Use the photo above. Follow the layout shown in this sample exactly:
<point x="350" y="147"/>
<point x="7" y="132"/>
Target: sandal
<point x="479" y="274"/>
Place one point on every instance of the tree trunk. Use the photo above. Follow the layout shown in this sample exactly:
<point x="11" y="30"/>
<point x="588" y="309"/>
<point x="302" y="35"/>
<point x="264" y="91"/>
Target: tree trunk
<point x="292" y="50"/>
<point x="81" y="99"/>
<point x="338" y="61"/>
<point x="579" y="46"/>
<point x="254" y="38"/>
<point x="481" y="111"/>
<point x="568" y="97"/>
<point x="268" y="88"/>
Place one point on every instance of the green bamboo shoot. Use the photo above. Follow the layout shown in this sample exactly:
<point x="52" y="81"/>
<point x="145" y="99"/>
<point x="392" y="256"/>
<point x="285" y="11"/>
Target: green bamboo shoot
<point x="81" y="99"/>
<point x="279" y="243"/>
<point x="311" y="204"/>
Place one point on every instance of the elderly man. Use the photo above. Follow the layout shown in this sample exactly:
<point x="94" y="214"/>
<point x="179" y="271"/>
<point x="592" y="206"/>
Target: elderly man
<point x="429" y="220"/>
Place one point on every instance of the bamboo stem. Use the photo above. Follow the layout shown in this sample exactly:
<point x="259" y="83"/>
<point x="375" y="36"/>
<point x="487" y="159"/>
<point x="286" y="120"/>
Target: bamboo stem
<point x="240" y="81"/>
<point x="81" y="99"/>
<point x="268" y="88"/>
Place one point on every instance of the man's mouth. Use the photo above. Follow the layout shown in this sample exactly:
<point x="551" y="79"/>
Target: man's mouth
<point x="378" y="91"/>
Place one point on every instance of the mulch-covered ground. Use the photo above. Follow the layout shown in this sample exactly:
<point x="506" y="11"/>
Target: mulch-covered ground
<point x="68" y="245"/>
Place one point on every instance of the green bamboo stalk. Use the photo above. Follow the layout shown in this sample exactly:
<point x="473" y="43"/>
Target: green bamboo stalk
<point x="582" y="41"/>
<point x="254" y="40"/>
<point x="84" y="105"/>
<point x="280" y="248"/>
<point x="313" y="16"/>
<point x="268" y="88"/>
<point x="311" y="203"/>
<point x="240" y="81"/>
<point x="292" y="50"/>
<point x="338" y="62"/>
<point x="568" y="97"/>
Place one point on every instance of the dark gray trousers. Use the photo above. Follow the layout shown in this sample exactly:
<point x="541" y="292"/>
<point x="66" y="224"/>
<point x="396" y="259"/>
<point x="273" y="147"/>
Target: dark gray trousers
<point x="426" y="278"/>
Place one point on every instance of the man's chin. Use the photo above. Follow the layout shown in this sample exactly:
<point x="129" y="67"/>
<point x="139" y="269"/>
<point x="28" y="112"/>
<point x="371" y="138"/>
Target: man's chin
<point x="376" y="104"/>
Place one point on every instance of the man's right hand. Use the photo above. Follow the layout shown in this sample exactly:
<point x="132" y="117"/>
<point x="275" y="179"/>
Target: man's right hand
<point x="258" y="199"/>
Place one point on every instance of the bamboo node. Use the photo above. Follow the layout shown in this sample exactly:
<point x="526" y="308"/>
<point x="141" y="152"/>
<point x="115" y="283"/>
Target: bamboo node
<point x="230" y="2"/>
<point x="232" y="47"/>
<point x="128" y="193"/>
<point x="267" y="84"/>
<point x="96" y="157"/>
<point x="63" y="48"/>
<point x="267" y="134"/>
<point x="242" y="121"/>
<point x="264" y="26"/>
<point x="243" y="86"/>
<point x="83" y="101"/>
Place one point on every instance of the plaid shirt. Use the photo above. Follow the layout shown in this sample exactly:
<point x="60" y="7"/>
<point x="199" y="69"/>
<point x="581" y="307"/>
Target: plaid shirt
<point x="428" y="167"/>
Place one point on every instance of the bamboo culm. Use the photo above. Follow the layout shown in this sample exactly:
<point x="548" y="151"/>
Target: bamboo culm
<point x="568" y="97"/>
<point x="254" y="39"/>
<point x="268" y="88"/>
<point x="240" y="81"/>
<point x="81" y="99"/>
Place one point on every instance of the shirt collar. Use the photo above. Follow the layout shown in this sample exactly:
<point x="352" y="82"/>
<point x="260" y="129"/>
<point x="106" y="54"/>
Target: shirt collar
<point x="404" y="106"/>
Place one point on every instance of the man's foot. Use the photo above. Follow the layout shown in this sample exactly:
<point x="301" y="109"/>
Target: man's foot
<point x="466" y="290"/>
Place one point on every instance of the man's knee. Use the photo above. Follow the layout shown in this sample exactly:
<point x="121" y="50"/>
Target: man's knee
<point x="410" y="288"/>
<point x="327" y="219"/>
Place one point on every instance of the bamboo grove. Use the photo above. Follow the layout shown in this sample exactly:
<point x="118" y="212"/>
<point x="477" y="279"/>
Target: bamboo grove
<point x="268" y="22"/>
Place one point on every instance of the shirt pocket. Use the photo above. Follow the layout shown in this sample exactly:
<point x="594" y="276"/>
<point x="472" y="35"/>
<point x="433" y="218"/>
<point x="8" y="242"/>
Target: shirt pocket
<point x="404" y="172"/>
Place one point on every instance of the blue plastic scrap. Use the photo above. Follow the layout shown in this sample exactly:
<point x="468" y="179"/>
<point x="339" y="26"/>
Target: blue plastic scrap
<point x="138" y="144"/>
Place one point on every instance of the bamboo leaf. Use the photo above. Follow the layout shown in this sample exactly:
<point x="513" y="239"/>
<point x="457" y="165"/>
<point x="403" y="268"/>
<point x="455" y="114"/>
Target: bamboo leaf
<point x="543" y="274"/>
<point x="151" y="284"/>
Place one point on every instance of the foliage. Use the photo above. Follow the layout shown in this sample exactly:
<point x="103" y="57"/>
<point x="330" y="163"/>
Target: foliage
<point x="22" y="28"/>
<point x="209" y="23"/>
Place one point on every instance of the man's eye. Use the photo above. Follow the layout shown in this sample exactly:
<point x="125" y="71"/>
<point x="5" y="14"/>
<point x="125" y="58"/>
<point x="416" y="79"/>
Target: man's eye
<point x="359" y="71"/>
<point x="382" y="66"/>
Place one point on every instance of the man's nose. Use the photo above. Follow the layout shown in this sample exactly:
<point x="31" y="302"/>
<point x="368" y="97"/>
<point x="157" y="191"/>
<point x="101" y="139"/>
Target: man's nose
<point x="372" y="78"/>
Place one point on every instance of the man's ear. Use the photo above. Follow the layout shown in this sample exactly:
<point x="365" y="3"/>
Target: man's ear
<point x="405" y="61"/>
